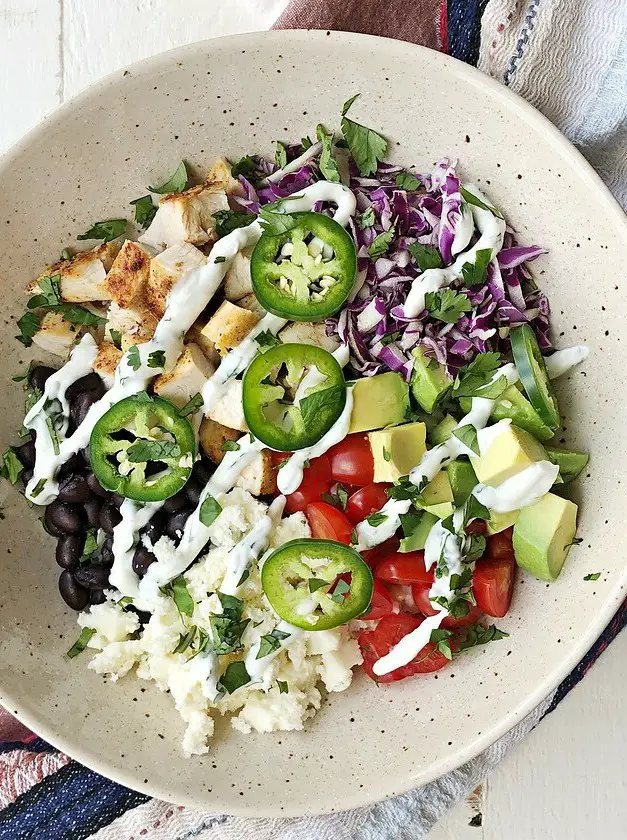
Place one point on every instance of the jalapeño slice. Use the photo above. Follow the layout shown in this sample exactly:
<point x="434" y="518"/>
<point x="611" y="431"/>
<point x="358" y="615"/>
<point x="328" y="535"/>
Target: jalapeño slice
<point x="533" y="375"/>
<point x="307" y="272"/>
<point x="143" y="449"/>
<point x="317" y="584"/>
<point x="293" y="394"/>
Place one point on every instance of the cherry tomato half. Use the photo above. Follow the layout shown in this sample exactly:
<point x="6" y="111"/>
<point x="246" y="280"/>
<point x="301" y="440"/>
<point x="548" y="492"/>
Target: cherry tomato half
<point x="500" y="545"/>
<point x="382" y="603"/>
<point x="373" y="555"/>
<point x="389" y="631"/>
<point x="403" y="568"/>
<point x="351" y="461"/>
<point x="420" y="594"/>
<point x="493" y="584"/>
<point x="365" y="501"/>
<point x="328" y="523"/>
<point x="316" y="481"/>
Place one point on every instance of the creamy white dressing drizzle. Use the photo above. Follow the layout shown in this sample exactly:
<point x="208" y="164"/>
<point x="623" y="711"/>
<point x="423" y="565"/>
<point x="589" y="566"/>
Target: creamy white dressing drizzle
<point x="491" y="229"/>
<point x="464" y="230"/>
<point x="135" y="516"/>
<point x="251" y="547"/>
<point x="521" y="490"/>
<point x="293" y="166"/>
<point x="371" y="535"/>
<point x="78" y="365"/>
<point x="257" y="668"/>
<point x="563" y="360"/>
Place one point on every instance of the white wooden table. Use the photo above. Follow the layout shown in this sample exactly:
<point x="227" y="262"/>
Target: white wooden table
<point x="568" y="780"/>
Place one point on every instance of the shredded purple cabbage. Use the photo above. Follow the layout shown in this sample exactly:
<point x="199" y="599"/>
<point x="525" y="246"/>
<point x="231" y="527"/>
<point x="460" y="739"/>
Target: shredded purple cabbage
<point x="379" y="334"/>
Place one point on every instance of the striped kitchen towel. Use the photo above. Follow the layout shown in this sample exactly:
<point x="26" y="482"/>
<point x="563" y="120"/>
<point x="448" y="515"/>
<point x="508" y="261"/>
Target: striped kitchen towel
<point x="569" y="59"/>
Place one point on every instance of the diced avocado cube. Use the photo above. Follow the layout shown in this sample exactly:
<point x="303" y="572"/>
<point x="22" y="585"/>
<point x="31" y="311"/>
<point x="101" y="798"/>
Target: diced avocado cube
<point x="543" y="534"/>
<point x="570" y="463"/>
<point x="443" y="430"/>
<point x="510" y="452"/>
<point x="416" y="540"/>
<point x="397" y="450"/>
<point x="462" y="479"/>
<point x="378" y="401"/>
<point x="437" y="491"/>
<point x="430" y="381"/>
<point x="501" y="521"/>
<point x="442" y="510"/>
<point x="514" y="405"/>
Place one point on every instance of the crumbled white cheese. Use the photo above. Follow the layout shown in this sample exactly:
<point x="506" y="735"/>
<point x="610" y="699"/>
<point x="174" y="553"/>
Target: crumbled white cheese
<point x="110" y="622"/>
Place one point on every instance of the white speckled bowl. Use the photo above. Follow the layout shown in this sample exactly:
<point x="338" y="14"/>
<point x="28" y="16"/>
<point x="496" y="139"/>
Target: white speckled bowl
<point x="234" y="96"/>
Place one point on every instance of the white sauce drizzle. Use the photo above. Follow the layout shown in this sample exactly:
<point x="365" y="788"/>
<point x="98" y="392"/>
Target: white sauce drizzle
<point x="371" y="535"/>
<point x="135" y="516"/>
<point x="519" y="491"/>
<point x="492" y="231"/>
<point x="251" y="547"/>
<point x="563" y="360"/>
<point x="256" y="668"/>
<point x="293" y="166"/>
<point x="463" y="230"/>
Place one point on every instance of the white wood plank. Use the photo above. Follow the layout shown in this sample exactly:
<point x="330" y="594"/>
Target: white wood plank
<point x="567" y="780"/>
<point x="100" y="37"/>
<point x="30" y="64"/>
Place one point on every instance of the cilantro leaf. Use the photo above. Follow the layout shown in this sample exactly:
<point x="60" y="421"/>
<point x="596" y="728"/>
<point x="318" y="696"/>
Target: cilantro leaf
<point x="232" y="607"/>
<point x="342" y="589"/>
<point x="266" y="339"/>
<point x="228" y="220"/>
<point x="209" y="511"/>
<point x="407" y="181"/>
<point x="156" y="359"/>
<point x="477" y="634"/>
<point x="476" y="375"/>
<point x="327" y="164"/>
<point x="186" y="639"/>
<point x="442" y="640"/>
<point x="81" y="643"/>
<point x="49" y="293"/>
<point x="116" y="338"/>
<point x="366" y="146"/>
<point x="37" y="489"/>
<point x="447" y="305"/>
<point x="90" y="546"/>
<point x="366" y="219"/>
<point x="233" y="678"/>
<point x="177" y="590"/>
<point x="377" y="518"/>
<point x="132" y="357"/>
<point x="468" y="436"/>
<point x="306" y="143"/>
<point x="66" y="254"/>
<point x="316" y="583"/>
<point x="106" y="230"/>
<point x="54" y="437"/>
<point x="593" y="576"/>
<point x="76" y="314"/>
<point x="230" y="446"/>
<point x="270" y="642"/>
<point x="283" y="686"/>
<point x="475" y="274"/>
<point x="245" y="166"/>
<point x="176" y="183"/>
<point x="227" y="634"/>
<point x="274" y="222"/>
<point x="320" y="401"/>
<point x="145" y="211"/>
<point x="192" y="405"/>
<point x="28" y="326"/>
<point x="11" y="466"/>
<point x="426" y="256"/>
<point x="381" y="243"/>
<point x="470" y="198"/>
<point x="152" y="450"/>
<point x="280" y="155"/>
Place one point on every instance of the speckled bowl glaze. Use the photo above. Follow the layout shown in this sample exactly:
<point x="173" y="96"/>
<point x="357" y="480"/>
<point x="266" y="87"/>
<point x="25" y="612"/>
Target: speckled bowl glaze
<point x="234" y="96"/>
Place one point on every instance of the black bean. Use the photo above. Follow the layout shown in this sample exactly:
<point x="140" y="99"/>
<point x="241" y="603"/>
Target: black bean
<point x="141" y="560"/>
<point x="74" y="464"/>
<point x="193" y="489"/>
<point x="81" y="405"/>
<point x="96" y="487"/>
<point x="50" y="527"/>
<point x="203" y="470"/>
<point x="64" y="517"/>
<point x="26" y="476"/>
<point x="74" y="595"/>
<point x="106" y="552"/>
<point x="176" y="502"/>
<point x="155" y="528"/>
<point x="85" y="455"/>
<point x="97" y="596"/>
<point x="109" y="518"/>
<point x="39" y="375"/>
<point x="90" y="382"/>
<point x="26" y="453"/>
<point x="92" y="577"/>
<point x="176" y="524"/>
<point x="92" y="512"/>
<point x="74" y="489"/>
<point x="69" y="550"/>
<point x="117" y="500"/>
